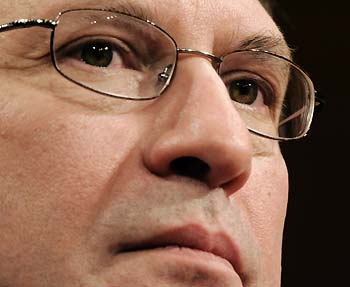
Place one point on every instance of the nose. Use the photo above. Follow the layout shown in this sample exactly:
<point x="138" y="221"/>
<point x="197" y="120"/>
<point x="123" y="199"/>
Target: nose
<point x="196" y="131"/>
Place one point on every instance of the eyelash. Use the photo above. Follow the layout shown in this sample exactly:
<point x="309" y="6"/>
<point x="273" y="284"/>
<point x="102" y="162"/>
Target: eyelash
<point x="126" y="52"/>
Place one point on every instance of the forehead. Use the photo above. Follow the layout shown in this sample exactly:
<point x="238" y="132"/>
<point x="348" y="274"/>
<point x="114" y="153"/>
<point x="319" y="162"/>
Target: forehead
<point x="196" y="24"/>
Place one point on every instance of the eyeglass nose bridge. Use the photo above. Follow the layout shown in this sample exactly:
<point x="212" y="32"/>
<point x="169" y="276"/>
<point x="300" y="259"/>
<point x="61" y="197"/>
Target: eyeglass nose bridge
<point x="200" y="54"/>
<point x="165" y="75"/>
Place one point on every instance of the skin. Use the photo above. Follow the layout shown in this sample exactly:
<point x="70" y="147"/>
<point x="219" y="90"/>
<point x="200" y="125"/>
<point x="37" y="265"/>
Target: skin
<point x="79" y="180"/>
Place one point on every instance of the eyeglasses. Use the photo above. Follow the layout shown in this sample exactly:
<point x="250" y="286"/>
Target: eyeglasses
<point x="122" y="56"/>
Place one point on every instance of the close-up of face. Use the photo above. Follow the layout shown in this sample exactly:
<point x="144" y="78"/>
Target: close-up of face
<point x="113" y="174"/>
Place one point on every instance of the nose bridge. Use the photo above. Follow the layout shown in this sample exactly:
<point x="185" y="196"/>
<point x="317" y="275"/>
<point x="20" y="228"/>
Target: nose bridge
<point x="198" y="89"/>
<point x="166" y="75"/>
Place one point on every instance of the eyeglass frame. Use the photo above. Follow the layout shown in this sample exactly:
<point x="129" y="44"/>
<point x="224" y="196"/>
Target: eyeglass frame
<point x="316" y="102"/>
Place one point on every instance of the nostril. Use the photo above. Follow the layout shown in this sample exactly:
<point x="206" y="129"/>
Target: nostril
<point x="190" y="167"/>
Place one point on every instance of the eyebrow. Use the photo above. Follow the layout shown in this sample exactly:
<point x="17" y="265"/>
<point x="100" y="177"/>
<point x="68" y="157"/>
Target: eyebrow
<point x="271" y="43"/>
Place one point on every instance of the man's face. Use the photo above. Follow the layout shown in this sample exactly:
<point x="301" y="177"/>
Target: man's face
<point x="169" y="192"/>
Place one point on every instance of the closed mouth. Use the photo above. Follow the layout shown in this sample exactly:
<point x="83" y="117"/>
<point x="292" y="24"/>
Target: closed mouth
<point x="191" y="238"/>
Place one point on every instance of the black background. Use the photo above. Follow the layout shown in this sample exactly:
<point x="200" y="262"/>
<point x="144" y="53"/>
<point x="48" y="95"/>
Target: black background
<point x="315" y="248"/>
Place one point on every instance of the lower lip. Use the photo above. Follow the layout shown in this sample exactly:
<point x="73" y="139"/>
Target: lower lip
<point x="195" y="255"/>
<point x="176" y="260"/>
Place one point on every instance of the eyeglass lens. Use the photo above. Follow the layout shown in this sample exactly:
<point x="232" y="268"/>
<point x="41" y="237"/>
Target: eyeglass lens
<point x="271" y="94"/>
<point x="126" y="57"/>
<point x="113" y="53"/>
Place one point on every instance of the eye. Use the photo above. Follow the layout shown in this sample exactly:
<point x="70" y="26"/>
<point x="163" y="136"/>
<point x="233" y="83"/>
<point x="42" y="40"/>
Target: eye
<point x="243" y="91"/>
<point x="98" y="53"/>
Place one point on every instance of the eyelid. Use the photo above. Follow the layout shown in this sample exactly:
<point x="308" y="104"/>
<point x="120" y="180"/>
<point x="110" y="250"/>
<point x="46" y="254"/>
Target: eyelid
<point x="119" y="46"/>
<point x="90" y="38"/>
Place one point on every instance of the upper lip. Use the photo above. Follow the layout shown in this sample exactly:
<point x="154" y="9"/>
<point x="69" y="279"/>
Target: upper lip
<point x="192" y="236"/>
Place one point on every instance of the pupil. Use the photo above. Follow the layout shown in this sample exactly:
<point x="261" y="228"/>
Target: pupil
<point x="243" y="91"/>
<point x="97" y="54"/>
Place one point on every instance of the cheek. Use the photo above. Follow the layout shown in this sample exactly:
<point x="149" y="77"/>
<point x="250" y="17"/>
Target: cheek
<point x="266" y="195"/>
<point x="271" y="199"/>
<point x="265" y="200"/>
<point x="55" y="167"/>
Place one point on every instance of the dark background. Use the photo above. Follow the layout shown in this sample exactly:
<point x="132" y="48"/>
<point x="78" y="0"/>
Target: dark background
<point x="315" y="248"/>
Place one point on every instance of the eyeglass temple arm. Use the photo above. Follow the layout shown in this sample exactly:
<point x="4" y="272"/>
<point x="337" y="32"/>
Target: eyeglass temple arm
<point x="27" y="23"/>
<point x="296" y="114"/>
<point x="319" y="104"/>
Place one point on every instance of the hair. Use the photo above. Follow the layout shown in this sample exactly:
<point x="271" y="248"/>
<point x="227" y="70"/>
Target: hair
<point x="268" y="5"/>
